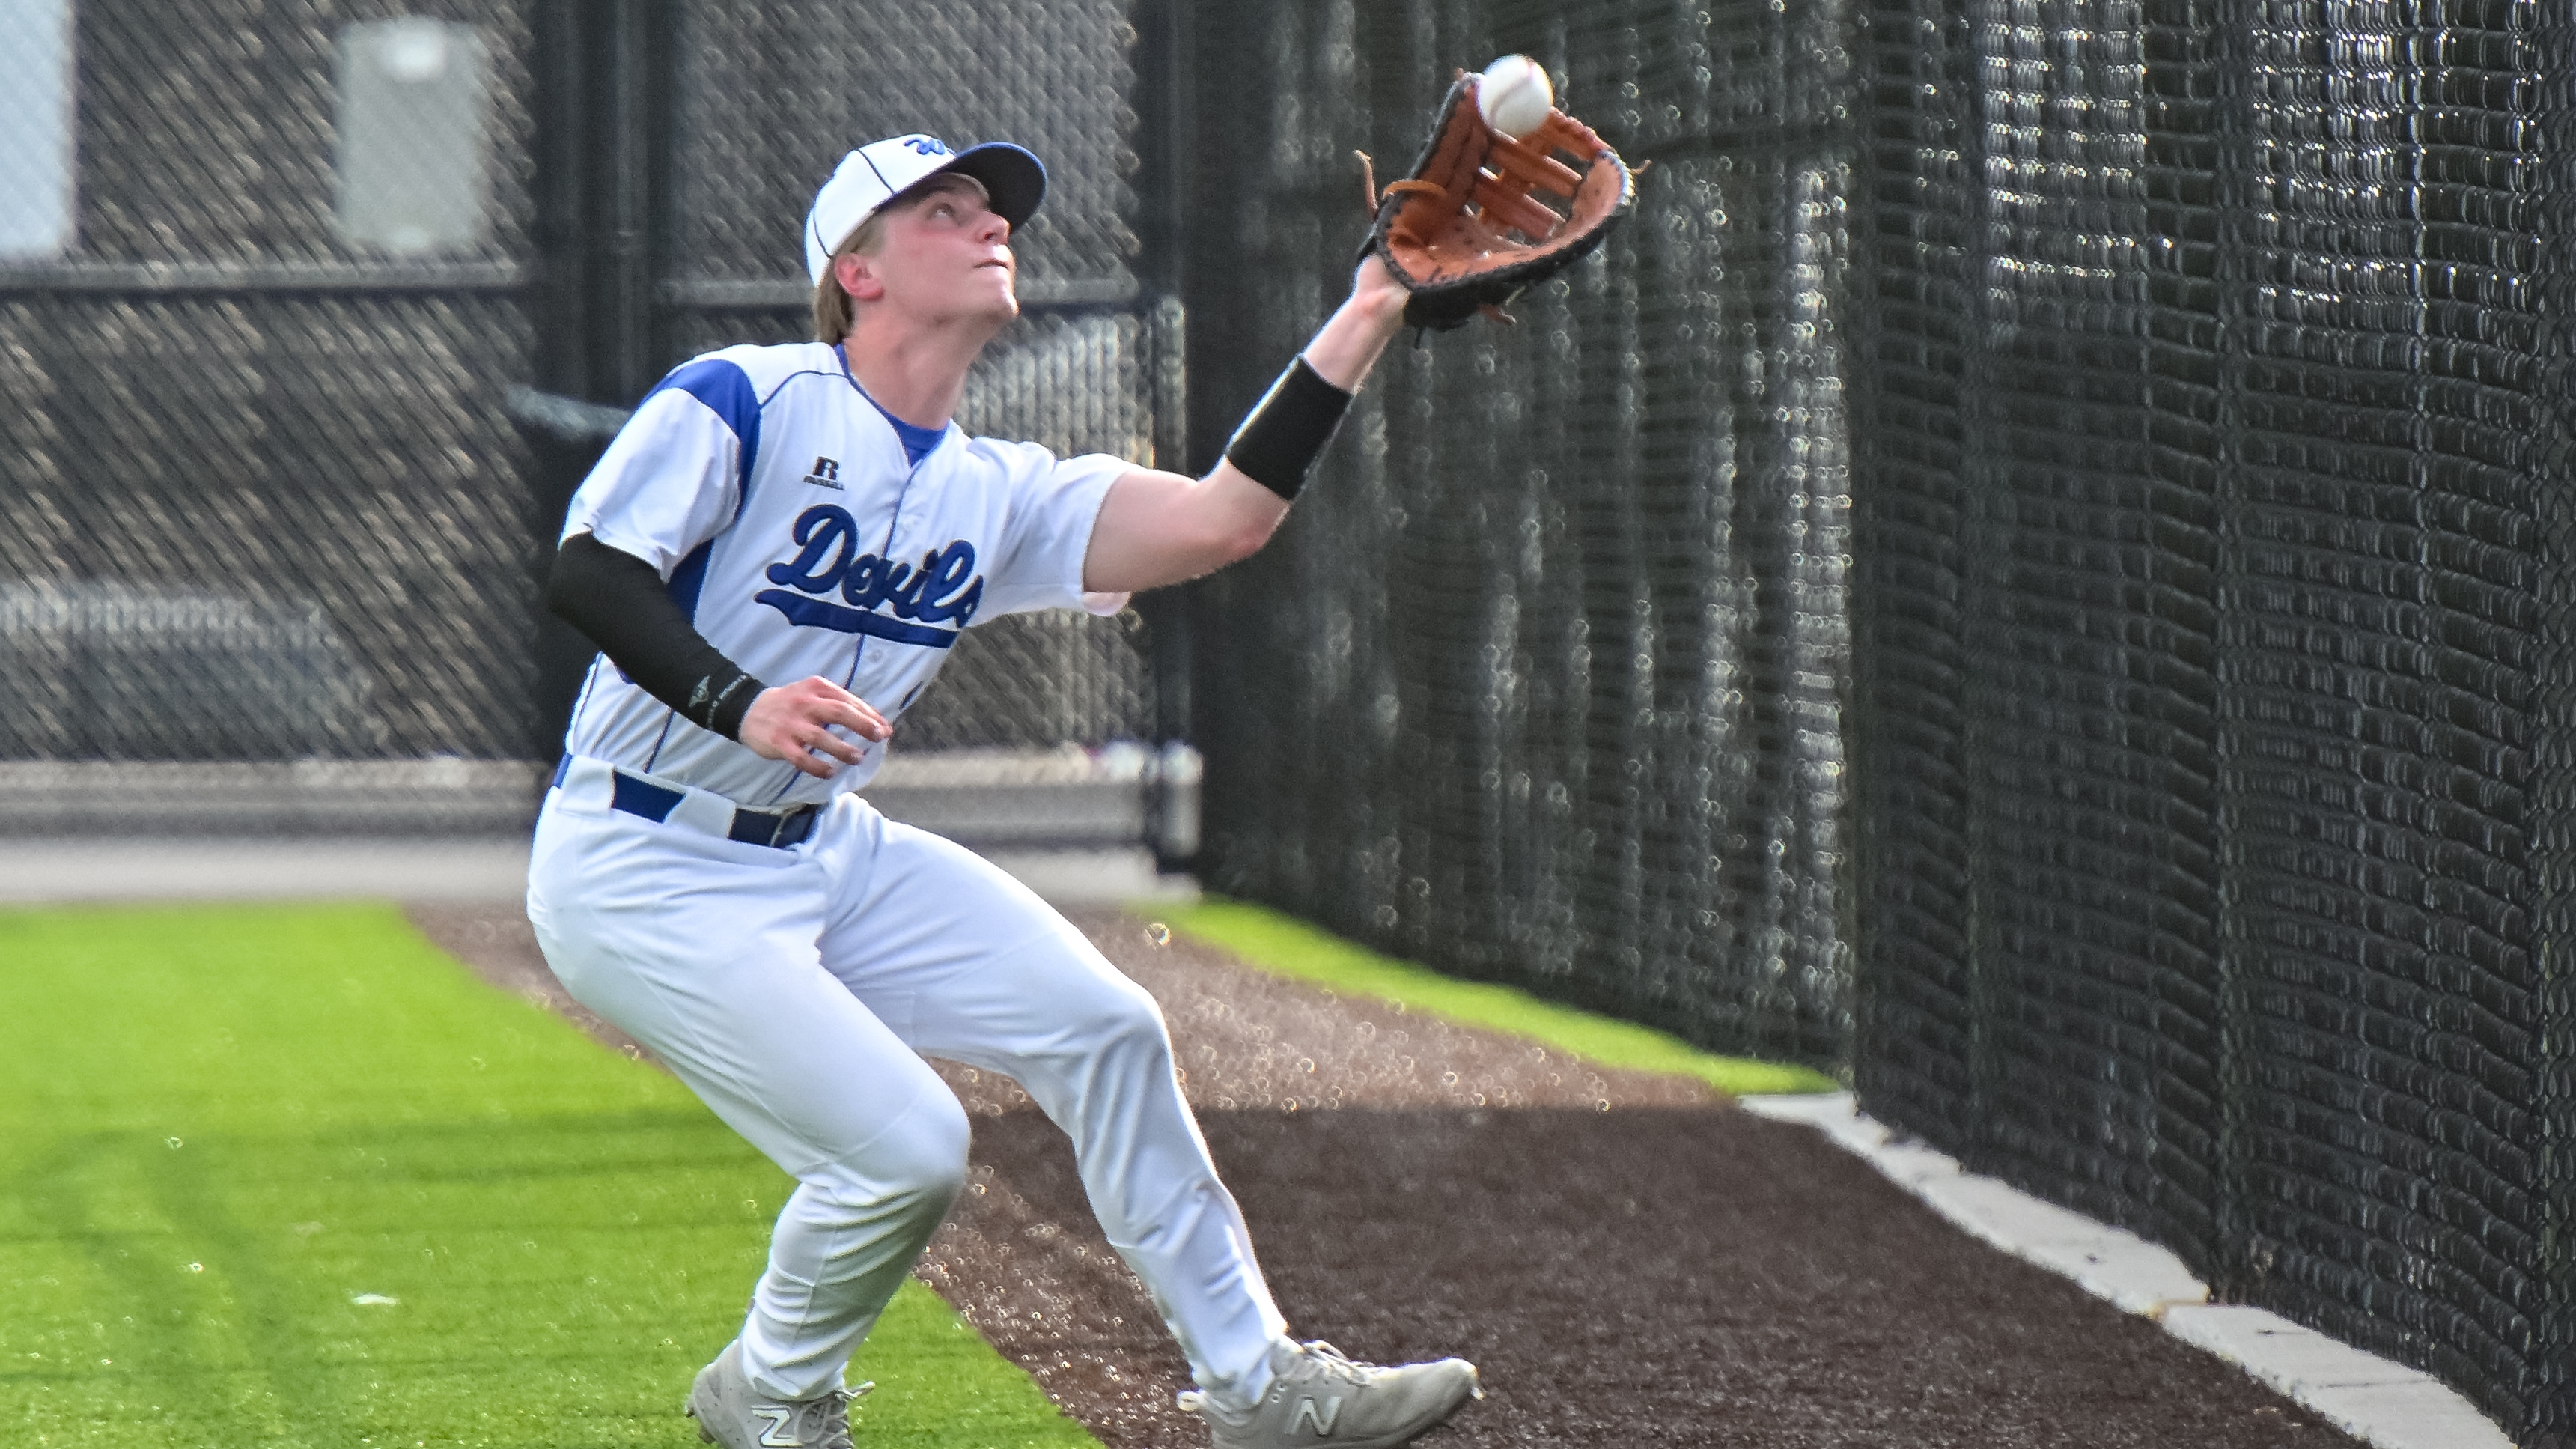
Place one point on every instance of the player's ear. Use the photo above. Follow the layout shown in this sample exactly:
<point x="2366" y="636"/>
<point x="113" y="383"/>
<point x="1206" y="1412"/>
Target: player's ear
<point x="856" y="272"/>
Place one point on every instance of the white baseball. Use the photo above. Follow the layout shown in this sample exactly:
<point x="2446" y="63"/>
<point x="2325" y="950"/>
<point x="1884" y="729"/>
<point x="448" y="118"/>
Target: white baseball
<point x="1514" y="95"/>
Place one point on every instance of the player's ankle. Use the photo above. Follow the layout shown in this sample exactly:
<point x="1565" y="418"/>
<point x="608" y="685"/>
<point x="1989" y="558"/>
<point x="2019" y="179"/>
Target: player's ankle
<point x="1237" y="1395"/>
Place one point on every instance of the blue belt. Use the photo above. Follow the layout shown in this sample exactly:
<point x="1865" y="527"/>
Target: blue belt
<point x="777" y="829"/>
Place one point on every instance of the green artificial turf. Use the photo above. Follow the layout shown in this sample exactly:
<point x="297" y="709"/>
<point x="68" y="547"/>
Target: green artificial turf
<point x="221" y="1128"/>
<point x="1289" y="947"/>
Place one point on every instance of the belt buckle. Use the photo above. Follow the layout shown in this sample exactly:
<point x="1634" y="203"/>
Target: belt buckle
<point x="764" y="827"/>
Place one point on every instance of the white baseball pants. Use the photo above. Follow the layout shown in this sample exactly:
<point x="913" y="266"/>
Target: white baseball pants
<point x="791" y="990"/>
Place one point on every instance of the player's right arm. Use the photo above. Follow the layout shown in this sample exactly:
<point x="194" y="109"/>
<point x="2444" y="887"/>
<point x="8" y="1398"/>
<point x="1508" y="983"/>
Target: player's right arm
<point x="792" y="722"/>
<point x="665" y="487"/>
<point x="624" y="606"/>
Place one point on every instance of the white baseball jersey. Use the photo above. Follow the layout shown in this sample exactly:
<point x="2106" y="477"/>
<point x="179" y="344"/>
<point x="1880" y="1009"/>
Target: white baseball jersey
<point x="779" y="504"/>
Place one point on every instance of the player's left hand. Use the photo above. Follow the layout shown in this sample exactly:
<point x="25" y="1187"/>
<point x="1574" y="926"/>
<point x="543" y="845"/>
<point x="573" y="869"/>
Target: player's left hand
<point x="1375" y="291"/>
<point x="792" y="722"/>
<point x="1360" y="328"/>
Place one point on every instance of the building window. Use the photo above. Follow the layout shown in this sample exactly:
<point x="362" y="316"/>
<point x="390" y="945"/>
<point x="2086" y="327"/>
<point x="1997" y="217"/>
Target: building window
<point x="37" y="174"/>
<point x="415" y="176"/>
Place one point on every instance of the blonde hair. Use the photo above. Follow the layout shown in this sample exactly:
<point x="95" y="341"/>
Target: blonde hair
<point x="831" y="300"/>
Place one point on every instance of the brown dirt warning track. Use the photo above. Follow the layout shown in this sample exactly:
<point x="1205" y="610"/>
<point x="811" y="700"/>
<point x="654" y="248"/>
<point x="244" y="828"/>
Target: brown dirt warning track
<point x="1630" y="1261"/>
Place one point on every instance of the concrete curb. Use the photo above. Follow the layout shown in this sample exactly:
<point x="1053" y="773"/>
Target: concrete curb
<point x="68" y="871"/>
<point x="2364" y="1395"/>
<point x="62" y="872"/>
<point x="1022" y="801"/>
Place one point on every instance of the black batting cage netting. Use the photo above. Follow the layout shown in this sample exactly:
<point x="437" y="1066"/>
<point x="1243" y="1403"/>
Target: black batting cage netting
<point x="2211" y="703"/>
<point x="1544" y="684"/>
<point x="2034" y="570"/>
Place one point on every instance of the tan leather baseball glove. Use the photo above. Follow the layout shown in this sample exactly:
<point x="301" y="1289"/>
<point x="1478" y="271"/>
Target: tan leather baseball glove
<point x="1484" y="217"/>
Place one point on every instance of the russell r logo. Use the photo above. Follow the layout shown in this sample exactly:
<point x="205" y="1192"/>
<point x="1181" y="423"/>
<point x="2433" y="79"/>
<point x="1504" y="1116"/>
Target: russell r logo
<point x="826" y="474"/>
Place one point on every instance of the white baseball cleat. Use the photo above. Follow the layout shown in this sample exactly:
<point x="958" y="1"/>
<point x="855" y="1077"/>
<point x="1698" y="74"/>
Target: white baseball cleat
<point x="1319" y="1399"/>
<point x="731" y="1413"/>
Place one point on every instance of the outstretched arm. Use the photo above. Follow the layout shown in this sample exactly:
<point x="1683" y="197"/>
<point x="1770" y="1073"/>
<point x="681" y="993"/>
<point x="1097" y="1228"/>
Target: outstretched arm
<point x="1159" y="528"/>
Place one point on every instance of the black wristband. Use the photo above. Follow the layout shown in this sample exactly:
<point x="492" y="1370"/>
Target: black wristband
<point x="622" y="604"/>
<point x="1287" y="430"/>
<point x="727" y="699"/>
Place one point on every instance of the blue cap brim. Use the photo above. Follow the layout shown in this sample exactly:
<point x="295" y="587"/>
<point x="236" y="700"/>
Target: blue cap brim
<point x="1013" y="177"/>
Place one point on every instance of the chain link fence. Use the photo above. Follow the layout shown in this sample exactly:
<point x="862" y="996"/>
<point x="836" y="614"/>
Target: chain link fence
<point x="258" y="497"/>
<point x="1542" y="681"/>
<point x="767" y="98"/>
<point x="271" y="276"/>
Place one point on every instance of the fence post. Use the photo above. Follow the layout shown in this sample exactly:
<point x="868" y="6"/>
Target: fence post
<point x="627" y="239"/>
<point x="1165" y="143"/>
<point x="602" y="144"/>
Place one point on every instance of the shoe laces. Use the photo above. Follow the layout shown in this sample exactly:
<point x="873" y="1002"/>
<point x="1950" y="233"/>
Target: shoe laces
<point x="1316" y="1360"/>
<point x="828" y="1416"/>
<point x="1323" y="1361"/>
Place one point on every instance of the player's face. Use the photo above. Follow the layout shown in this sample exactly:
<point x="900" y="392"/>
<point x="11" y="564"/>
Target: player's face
<point x="948" y="256"/>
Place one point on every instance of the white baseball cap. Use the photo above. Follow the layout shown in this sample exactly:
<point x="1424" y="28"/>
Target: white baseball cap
<point x="880" y="171"/>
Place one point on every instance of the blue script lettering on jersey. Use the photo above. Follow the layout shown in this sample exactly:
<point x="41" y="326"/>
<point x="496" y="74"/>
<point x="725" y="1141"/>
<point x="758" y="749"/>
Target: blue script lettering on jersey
<point x="828" y="561"/>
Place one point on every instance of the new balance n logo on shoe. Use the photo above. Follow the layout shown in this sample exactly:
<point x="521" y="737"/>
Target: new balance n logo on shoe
<point x="826" y="474"/>
<point x="728" y="1412"/>
<point x="1319" y="1420"/>
<point x="1319" y="1399"/>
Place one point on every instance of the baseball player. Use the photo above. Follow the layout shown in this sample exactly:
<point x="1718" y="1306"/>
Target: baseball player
<point x="774" y="557"/>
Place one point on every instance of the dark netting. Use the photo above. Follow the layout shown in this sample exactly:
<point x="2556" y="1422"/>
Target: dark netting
<point x="2549" y="1407"/>
<point x="258" y="498"/>
<point x="2028" y="494"/>
<point x="769" y="98"/>
<point x="1541" y="683"/>
<point x="2213" y="420"/>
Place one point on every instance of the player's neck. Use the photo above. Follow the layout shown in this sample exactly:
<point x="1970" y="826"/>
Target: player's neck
<point x="916" y="372"/>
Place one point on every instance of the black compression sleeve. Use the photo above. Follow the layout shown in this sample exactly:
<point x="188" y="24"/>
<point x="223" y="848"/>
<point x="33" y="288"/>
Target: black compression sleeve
<point x="620" y="602"/>
<point x="1287" y="430"/>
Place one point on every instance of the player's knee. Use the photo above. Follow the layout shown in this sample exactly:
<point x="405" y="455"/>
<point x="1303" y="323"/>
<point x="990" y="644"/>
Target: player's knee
<point x="1127" y="1025"/>
<point x="940" y="1150"/>
<point x="922" y="1159"/>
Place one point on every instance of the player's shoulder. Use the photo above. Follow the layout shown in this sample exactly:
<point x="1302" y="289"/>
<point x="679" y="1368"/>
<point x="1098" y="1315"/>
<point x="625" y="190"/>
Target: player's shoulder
<point x="763" y="369"/>
<point x="1006" y="454"/>
<point x="735" y="385"/>
<point x="1030" y="469"/>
